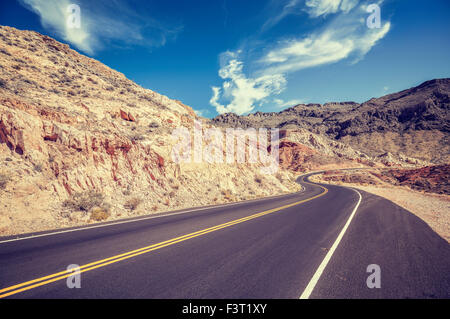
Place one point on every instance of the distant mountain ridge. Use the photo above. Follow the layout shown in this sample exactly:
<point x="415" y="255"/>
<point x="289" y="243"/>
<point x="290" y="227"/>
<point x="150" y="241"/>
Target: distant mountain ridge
<point x="402" y="122"/>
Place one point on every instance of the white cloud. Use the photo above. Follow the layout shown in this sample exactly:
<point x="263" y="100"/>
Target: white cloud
<point x="317" y="8"/>
<point x="289" y="8"/>
<point x="101" y="23"/>
<point x="282" y="104"/>
<point x="202" y="112"/>
<point x="315" y="50"/>
<point x="243" y="92"/>
<point x="347" y="5"/>
<point x="344" y="36"/>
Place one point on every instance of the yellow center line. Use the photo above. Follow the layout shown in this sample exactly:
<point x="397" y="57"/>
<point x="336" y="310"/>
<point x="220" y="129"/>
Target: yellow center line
<point x="15" y="289"/>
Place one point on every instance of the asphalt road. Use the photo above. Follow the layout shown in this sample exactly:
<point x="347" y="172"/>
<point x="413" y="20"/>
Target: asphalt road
<point x="314" y="244"/>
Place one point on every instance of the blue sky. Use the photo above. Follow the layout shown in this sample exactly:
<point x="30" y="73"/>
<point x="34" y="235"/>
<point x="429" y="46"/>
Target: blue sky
<point x="254" y="55"/>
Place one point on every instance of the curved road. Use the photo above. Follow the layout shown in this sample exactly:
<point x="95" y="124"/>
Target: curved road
<point x="313" y="244"/>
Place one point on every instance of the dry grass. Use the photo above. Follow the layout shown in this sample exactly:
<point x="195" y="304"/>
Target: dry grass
<point x="4" y="180"/>
<point x="84" y="201"/>
<point x="99" y="214"/>
<point x="133" y="203"/>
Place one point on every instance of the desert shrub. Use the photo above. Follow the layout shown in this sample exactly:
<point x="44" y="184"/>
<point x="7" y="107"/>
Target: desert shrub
<point x="153" y="125"/>
<point x="3" y="83"/>
<point x="137" y="137"/>
<point x="146" y="97"/>
<point x="37" y="168"/>
<point x="258" y="179"/>
<point x="4" y="51"/>
<point x="132" y="203"/>
<point x="131" y="91"/>
<point x="227" y="194"/>
<point x="84" y="201"/>
<point x="92" y="81"/>
<point x="99" y="214"/>
<point x="20" y="61"/>
<point x="4" y="179"/>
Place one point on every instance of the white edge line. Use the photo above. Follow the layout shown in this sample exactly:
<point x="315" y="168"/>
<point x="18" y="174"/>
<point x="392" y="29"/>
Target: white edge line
<point x="315" y="278"/>
<point x="113" y="223"/>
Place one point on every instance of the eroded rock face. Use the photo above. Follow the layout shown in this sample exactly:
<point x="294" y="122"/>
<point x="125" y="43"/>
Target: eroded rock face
<point x="434" y="179"/>
<point x="70" y="125"/>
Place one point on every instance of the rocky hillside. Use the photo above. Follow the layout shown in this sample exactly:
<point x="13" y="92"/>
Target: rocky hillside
<point x="80" y="143"/>
<point x="413" y="123"/>
<point x="428" y="179"/>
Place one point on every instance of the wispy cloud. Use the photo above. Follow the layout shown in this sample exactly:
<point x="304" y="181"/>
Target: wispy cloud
<point x="288" y="9"/>
<point x="317" y="8"/>
<point x="282" y="104"/>
<point x="202" y="112"/>
<point x="102" y="22"/>
<point x="344" y="36"/>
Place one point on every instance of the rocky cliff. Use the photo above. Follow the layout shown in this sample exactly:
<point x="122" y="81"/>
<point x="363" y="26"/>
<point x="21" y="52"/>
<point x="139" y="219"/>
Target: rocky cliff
<point x="81" y="143"/>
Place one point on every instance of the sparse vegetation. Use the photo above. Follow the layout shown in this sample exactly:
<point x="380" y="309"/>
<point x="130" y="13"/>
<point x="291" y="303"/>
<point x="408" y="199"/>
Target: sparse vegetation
<point x="133" y="203"/>
<point x="99" y="214"/>
<point x="227" y="194"/>
<point x="4" y="180"/>
<point x="153" y="125"/>
<point x="137" y="137"/>
<point x="92" y="81"/>
<point x="258" y="179"/>
<point x="5" y="52"/>
<point x="84" y="201"/>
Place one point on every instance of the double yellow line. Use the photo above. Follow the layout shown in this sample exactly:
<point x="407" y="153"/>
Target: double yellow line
<point x="28" y="285"/>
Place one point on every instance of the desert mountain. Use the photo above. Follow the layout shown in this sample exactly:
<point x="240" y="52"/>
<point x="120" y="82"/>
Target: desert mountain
<point x="80" y="143"/>
<point x="412" y="123"/>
